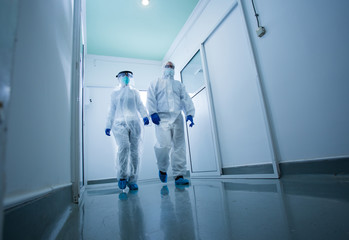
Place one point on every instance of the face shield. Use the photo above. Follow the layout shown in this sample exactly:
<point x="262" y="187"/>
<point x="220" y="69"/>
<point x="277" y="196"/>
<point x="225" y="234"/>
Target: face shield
<point x="125" y="77"/>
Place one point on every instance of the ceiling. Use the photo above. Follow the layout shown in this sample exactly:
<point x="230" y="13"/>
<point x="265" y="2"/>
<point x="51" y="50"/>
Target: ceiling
<point x="126" y="28"/>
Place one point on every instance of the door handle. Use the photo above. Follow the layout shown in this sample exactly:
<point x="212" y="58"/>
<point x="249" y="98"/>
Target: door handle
<point x="2" y="112"/>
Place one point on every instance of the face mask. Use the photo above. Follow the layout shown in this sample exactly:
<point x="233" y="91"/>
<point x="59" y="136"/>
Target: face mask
<point x="168" y="72"/>
<point x="125" y="80"/>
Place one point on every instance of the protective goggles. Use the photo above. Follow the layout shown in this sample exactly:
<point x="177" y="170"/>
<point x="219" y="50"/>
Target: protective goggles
<point x="125" y="73"/>
<point x="169" y="66"/>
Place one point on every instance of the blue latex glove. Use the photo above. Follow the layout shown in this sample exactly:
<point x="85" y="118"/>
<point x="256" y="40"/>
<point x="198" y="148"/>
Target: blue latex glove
<point x="107" y="131"/>
<point x="146" y="120"/>
<point x="155" y="118"/>
<point x="190" y="118"/>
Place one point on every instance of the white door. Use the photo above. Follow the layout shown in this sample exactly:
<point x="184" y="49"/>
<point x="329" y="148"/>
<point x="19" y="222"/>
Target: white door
<point x="99" y="149"/>
<point x="242" y="126"/>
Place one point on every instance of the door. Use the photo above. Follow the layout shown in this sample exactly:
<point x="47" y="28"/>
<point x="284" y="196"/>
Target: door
<point x="245" y="147"/>
<point x="99" y="149"/>
<point x="201" y="144"/>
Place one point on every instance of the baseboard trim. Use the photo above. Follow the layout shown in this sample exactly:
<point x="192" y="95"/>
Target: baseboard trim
<point x="102" y="181"/>
<point x="16" y="200"/>
<point x="335" y="166"/>
<point x="250" y="169"/>
<point x="38" y="218"/>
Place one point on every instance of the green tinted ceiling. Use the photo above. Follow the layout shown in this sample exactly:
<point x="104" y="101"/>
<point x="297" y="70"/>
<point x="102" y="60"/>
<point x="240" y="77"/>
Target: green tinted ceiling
<point x="126" y="28"/>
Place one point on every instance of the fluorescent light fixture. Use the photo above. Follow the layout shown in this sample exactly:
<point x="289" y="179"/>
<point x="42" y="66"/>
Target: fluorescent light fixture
<point x="145" y="2"/>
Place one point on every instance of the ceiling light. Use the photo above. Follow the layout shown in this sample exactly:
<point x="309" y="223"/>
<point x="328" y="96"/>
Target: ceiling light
<point x="145" y="2"/>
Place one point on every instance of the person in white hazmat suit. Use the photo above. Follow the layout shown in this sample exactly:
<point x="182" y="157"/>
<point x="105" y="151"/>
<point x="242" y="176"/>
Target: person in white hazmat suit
<point x="124" y="121"/>
<point x="166" y="100"/>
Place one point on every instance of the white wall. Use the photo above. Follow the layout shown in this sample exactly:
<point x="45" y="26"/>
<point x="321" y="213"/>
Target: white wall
<point x="100" y="150"/>
<point x="38" y="144"/>
<point x="302" y="62"/>
<point x="201" y="25"/>
<point x="101" y="71"/>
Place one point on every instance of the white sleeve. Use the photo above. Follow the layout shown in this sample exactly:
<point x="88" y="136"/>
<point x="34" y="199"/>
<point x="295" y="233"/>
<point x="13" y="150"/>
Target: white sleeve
<point x="111" y="112"/>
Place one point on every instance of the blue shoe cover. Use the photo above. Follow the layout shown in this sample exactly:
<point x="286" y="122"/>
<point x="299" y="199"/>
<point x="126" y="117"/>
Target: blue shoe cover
<point x="163" y="177"/>
<point x="132" y="186"/>
<point x="182" y="181"/>
<point x="122" y="183"/>
<point x="181" y="188"/>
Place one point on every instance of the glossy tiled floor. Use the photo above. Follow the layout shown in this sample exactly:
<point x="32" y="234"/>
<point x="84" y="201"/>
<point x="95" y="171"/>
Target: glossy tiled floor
<point x="295" y="207"/>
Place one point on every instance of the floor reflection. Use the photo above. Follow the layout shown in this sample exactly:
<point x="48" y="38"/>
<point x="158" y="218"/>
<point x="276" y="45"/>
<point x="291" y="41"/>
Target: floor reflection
<point x="176" y="216"/>
<point x="131" y="218"/>
<point x="298" y="207"/>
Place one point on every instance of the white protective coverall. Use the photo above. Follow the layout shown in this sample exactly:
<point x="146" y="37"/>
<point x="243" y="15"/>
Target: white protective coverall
<point x="124" y="120"/>
<point x="168" y="98"/>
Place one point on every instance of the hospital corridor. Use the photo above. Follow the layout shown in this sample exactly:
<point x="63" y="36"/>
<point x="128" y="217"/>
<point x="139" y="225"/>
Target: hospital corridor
<point x="186" y="119"/>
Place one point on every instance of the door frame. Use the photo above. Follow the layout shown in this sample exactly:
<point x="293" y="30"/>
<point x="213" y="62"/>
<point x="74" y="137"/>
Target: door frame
<point x="218" y="171"/>
<point x="9" y="29"/>
<point x="76" y="106"/>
